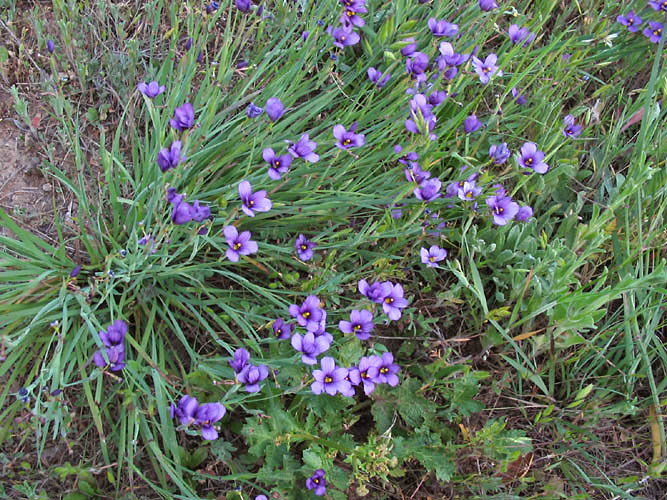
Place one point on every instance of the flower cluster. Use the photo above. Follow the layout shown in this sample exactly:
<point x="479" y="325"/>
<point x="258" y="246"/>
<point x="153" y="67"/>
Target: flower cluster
<point x="653" y="31"/>
<point x="344" y="35"/>
<point x="183" y="212"/>
<point x="113" y="354"/>
<point x="246" y="373"/>
<point x="389" y="294"/>
<point x="189" y="412"/>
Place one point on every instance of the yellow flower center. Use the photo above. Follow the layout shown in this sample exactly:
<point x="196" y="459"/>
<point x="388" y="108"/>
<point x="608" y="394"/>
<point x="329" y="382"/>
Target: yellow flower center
<point x="251" y="203"/>
<point x="365" y="375"/>
<point x="304" y="247"/>
<point x="432" y="259"/>
<point x="346" y="142"/>
<point x="277" y="163"/>
<point x="328" y="379"/>
<point x="237" y="246"/>
<point x="389" y="300"/>
<point x="357" y="327"/>
<point x="529" y="161"/>
<point x="306" y="314"/>
<point x="384" y="370"/>
<point x="279" y="332"/>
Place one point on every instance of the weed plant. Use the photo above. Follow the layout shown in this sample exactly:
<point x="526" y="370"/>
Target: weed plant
<point x="455" y="291"/>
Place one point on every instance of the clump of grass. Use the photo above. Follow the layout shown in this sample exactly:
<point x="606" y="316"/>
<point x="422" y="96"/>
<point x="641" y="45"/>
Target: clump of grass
<point x="548" y="326"/>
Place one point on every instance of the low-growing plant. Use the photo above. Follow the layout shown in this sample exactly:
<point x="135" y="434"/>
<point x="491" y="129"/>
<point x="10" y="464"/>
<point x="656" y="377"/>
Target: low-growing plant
<point x="324" y="244"/>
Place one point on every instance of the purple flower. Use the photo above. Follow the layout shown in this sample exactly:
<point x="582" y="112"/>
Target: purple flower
<point x="442" y="27"/>
<point x="347" y="138"/>
<point x="530" y="157"/>
<point x="253" y="111"/>
<point x="410" y="48"/>
<point x="206" y="415"/>
<point x="415" y="174"/>
<point x="114" y="334"/>
<point x="631" y="20"/>
<point x="200" y="213"/>
<point x="387" y="370"/>
<point x="376" y="77"/>
<point x="433" y="255"/>
<point x="274" y="108"/>
<point x="75" y="272"/>
<point x="416" y="65"/>
<point x="239" y="244"/>
<point x="50" y="46"/>
<point x="468" y="191"/>
<point x="330" y="379"/>
<point x="261" y="497"/>
<point x="151" y="89"/>
<point x="502" y="208"/>
<point x="310" y="346"/>
<point x="185" y="411"/>
<point x="368" y="372"/>
<point x="658" y="5"/>
<point x="422" y="120"/>
<point x="188" y="43"/>
<point x="524" y="214"/>
<point x="308" y="314"/>
<point x="278" y="165"/>
<point x="406" y="159"/>
<point x="361" y="324"/>
<point x="242" y="5"/>
<point x="471" y="124"/>
<point x="304" y="35"/>
<point x="320" y="330"/>
<point x="487" y="5"/>
<point x="170" y="158"/>
<point x="487" y="68"/>
<point x="428" y="190"/>
<point x="350" y="16"/>
<point x="654" y="31"/>
<point x="520" y="99"/>
<point x="281" y="329"/>
<point x="304" y="148"/>
<point x="375" y="292"/>
<point x="212" y="7"/>
<point x="450" y="58"/>
<point x="518" y="35"/>
<point x="116" y="356"/>
<point x="304" y="247"/>
<point x="240" y="361"/>
<point x="394" y="302"/>
<point x="184" y="117"/>
<point x="251" y="376"/>
<point x="499" y="153"/>
<point x="571" y="128"/>
<point x="343" y="36"/>
<point x="317" y="482"/>
<point x="437" y="97"/>
<point x="182" y="213"/>
<point x="253" y="202"/>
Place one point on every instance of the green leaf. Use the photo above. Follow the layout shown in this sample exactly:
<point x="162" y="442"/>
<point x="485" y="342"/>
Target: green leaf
<point x="198" y="456"/>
